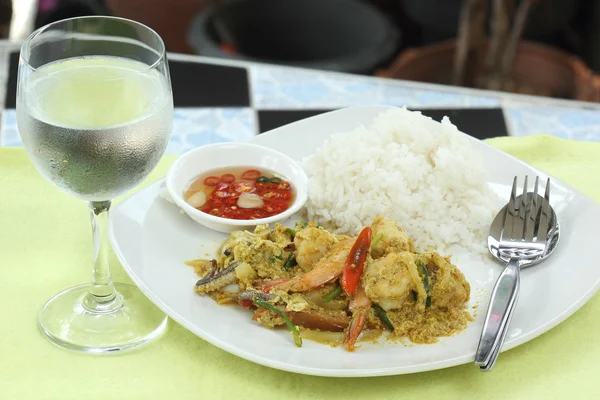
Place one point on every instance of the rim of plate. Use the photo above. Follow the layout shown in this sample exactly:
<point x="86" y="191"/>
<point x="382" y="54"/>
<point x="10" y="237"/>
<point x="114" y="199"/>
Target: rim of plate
<point x="368" y="372"/>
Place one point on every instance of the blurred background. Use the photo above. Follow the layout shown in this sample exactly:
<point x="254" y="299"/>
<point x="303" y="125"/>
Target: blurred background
<point x="543" y="47"/>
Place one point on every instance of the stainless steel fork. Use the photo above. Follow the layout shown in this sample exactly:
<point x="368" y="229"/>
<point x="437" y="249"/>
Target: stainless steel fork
<point x="519" y="236"/>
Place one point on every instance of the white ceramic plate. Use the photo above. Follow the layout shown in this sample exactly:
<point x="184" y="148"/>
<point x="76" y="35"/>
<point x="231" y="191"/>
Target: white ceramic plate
<point x="152" y="240"/>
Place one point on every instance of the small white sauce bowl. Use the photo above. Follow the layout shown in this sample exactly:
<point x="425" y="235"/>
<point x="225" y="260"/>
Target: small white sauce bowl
<point x="231" y="155"/>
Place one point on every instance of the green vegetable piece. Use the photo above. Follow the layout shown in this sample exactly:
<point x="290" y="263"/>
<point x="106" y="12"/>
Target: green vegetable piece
<point x="262" y="179"/>
<point x="426" y="284"/>
<point x="291" y="231"/>
<point x="382" y="314"/>
<point x="415" y="295"/>
<point x="299" y="225"/>
<point x="332" y="295"/>
<point x="376" y="239"/>
<point x="273" y="258"/>
<point x="275" y="180"/>
<point x="290" y="262"/>
<point x="290" y="326"/>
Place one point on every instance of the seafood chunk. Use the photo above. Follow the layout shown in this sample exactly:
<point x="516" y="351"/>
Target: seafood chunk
<point x="388" y="280"/>
<point x="327" y="269"/>
<point x="215" y="279"/>
<point x="360" y="304"/>
<point x="389" y="238"/>
<point x="311" y="245"/>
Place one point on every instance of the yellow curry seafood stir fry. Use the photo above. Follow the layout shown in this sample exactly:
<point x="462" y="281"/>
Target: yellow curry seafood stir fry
<point x="308" y="277"/>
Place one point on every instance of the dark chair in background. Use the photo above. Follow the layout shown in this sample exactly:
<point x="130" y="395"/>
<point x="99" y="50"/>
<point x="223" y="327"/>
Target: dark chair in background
<point x="6" y="13"/>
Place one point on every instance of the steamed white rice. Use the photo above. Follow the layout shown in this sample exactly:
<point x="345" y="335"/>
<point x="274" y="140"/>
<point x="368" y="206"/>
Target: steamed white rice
<point x="407" y="167"/>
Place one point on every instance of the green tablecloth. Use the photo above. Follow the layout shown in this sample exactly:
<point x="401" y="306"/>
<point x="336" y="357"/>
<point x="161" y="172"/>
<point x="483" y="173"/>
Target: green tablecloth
<point x="45" y="247"/>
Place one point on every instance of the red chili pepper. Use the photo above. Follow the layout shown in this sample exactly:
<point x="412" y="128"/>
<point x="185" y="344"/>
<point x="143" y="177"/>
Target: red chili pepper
<point x="231" y="201"/>
<point x="244" y="187"/>
<point x="222" y="187"/>
<point x="246" y="304"/>
<point x="261" y="186"/>
<point x="251" y="174"/>
<point x="270" y="195"/>
<point x="212" y="180"/>
<point x="285" y="195"/>
<point x="284" y="186"/>
<point x="355" y="262"/>
<point x="217" y="194"/>
<point x="228" y="178"/>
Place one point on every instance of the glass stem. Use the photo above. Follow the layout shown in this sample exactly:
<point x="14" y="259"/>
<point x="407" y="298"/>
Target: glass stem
<point x="102" y="297"/>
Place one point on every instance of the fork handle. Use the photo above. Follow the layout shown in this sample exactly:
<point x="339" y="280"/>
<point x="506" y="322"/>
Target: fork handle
<point x="502" y="305"/>
<point x="498" y="346"/>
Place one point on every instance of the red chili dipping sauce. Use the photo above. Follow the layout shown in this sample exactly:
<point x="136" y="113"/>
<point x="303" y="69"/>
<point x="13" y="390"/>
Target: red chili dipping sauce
<point x="240" y="193"/>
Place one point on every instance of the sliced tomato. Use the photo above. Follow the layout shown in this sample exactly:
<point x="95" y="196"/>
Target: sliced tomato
<point x="251" y="174"/>
<point x="212" y="180"/>
<point x="228" y="178"/>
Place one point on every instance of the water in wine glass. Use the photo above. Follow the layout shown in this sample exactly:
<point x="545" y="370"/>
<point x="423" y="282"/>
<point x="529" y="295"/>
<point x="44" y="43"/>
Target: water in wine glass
<point x="95" y="112"/>
<point x="95" y="126"/>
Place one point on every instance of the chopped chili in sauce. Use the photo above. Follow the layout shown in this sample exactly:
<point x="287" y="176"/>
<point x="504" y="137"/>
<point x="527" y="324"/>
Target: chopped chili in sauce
<point x="240" y="193"/>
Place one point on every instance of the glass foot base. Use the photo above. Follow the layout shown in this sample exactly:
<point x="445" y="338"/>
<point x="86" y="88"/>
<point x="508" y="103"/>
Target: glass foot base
<point x="69" y="324"/>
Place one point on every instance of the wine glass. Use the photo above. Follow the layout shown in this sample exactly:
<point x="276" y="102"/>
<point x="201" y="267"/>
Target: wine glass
<point x="95" y="112"/>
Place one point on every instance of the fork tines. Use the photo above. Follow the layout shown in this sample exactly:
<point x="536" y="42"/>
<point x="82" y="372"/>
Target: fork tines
<point x="530" y="211"/>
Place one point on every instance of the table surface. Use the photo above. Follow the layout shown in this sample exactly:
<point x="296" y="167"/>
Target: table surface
<point x="217" y="101"/>
<point x="221" y="100"/>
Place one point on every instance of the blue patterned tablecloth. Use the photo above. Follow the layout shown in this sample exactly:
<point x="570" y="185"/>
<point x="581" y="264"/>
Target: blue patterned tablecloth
<point x="277" y="88"/>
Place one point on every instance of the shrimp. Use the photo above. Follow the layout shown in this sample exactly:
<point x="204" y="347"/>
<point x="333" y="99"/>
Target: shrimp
<point x="388" y="280"/>
<point x="360" y="304"/>
<point x="390" y="238"/>
<point x="326" y="270"/>
<point x="395" y="279"/>
<point x="311" y="245"/>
